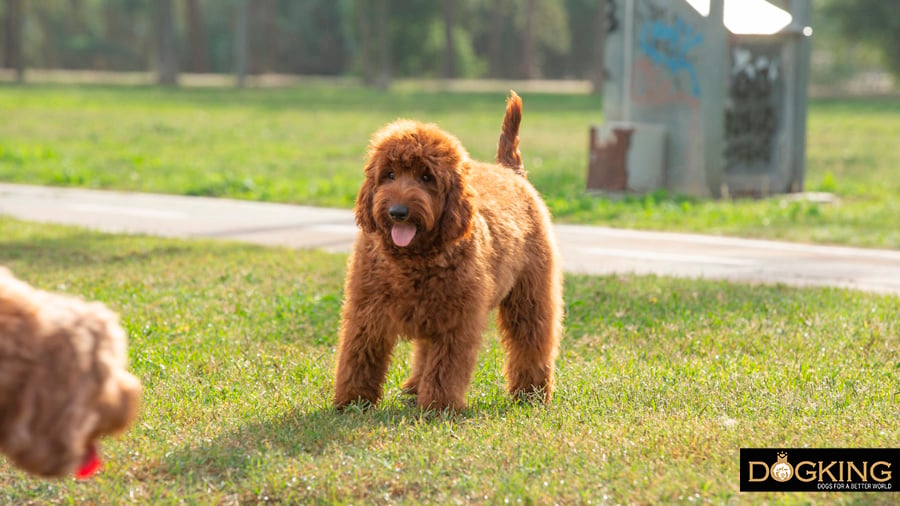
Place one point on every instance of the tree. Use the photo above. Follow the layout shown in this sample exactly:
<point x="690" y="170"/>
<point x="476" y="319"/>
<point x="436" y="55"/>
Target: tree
<point x="126" y="37"/>
<point x="873" y="21"/>
<point x="527" y="38"/>
<point x="199" y="61"/>
<point x="242" y="42"/>
<point x="528" y="59"/>
<point x="366" y="49"/>
<point x="449" y="43"/>
<point x="264" y="37"/>
<point x="165" y="34"/>
<point x="12" y="39"/>
<point x="495" y="38"/>
<point x="598" y="69"/>
<point x="382" y="26"/>
<point x="374" y="38"/>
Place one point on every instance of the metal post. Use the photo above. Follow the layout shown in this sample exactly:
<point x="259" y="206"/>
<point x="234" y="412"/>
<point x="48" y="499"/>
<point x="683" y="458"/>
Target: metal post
<point x="712" y="107"/>
<point x="628" y="35"/>
<point x="801" y="11"/>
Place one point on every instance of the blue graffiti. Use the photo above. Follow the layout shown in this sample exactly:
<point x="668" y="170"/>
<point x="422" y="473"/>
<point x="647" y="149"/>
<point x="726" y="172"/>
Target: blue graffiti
<point x="668" y="45"/>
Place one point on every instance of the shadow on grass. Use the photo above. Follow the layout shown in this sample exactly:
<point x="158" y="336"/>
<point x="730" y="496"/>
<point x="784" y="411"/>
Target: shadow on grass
<point x="313" y="432"/>
<point x="74" y="249"/>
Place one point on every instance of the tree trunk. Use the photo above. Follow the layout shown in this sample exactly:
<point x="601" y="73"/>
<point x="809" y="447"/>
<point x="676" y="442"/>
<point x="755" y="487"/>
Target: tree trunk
<point x="449" y="44"/>
<point x="165" y="34"/>
<point x="268" y="62"/>
<point x="364" y="25"/>
<point x="598" y="62"/>
<point x="528" y="41"/>
<point x="241" y="41"/>
<point x="495" y="40"/>
<point x="384" y="45"/>
<point x="197" y="36"/>
<point x="260" y="32"/>
<point x="12" y="39"/>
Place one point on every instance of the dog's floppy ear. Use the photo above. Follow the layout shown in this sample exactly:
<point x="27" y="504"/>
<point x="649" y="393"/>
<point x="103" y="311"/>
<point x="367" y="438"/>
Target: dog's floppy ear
<point x="456" y="218"/>
<point x="365" y="201"/>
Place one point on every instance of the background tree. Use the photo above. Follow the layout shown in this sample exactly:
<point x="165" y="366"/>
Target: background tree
<point x="199" y="52"/>
<point x="449" y="10"/>
<point x="365" y="45"/>
<point x="382" y="39"/>
<point x="13" y="55"/>
<point x="527" y="64"/>
<point x="127" y="35"/>
<point x="382" y="30"/>
<point x="873" y="21"/>
<point x="264" y="37"/>
<point x="165" y="33"/>
<point x="552" y="40"/>
<point x="242" y="22"/>
<point x="502" y="35"/>
<point x="598" y="62"/>
<point x="495" y="30"/>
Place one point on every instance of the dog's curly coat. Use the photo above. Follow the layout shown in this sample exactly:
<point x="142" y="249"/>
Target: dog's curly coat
<point x="63" y="382"/>
<point x="445" y="239"/>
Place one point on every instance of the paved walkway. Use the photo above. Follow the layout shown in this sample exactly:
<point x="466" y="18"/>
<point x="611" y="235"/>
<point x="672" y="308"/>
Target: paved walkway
<point x="593" y="250"/>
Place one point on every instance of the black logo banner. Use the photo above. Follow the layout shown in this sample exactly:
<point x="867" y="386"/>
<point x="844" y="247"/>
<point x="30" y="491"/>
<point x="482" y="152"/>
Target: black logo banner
<point x="820" y="469"/>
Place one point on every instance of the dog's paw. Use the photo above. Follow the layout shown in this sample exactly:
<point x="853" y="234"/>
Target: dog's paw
<point x="410" y="387"/>
<point x="440" y="403"/>
<point x="357" y="404"/>
<point x="534" y="395"/>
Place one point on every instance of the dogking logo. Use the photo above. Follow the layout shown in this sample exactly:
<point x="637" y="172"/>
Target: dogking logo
<point x="782" y="471"/>
<point x="820" y="469"/>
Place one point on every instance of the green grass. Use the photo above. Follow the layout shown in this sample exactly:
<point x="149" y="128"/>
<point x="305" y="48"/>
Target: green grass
<point x="660" y="382"/>
<point x="306" y="145"/>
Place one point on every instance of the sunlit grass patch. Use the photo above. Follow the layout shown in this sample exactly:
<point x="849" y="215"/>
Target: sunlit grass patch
<point x="660" y="382"/>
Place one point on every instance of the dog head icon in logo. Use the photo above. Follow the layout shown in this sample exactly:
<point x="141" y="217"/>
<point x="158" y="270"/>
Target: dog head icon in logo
<point x="782" y="470"/>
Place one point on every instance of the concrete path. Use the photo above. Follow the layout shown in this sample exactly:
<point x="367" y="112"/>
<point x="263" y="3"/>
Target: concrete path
<point x="593" y="250"/>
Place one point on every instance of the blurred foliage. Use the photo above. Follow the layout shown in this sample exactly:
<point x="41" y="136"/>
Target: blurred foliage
<point x="874" y="22"/>
<point x="303" y="36"/>
<point x="324" y="37"/>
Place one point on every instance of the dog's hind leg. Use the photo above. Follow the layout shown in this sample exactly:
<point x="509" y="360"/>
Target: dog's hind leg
<point x="530" y="320"/>
<point x="364" y="353"/>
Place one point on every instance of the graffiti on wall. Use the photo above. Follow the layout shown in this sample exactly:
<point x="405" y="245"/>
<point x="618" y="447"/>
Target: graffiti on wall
<point x="667" y="42"/>
<point x="751" y="119"/>
<point x="651" y="87"/>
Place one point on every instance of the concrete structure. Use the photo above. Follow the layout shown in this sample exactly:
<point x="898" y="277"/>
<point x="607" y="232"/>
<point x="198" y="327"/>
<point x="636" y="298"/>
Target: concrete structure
<point x="729" y="98"/>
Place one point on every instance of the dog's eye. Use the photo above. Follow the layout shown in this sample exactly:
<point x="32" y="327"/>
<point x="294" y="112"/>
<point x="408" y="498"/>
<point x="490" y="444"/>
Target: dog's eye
<point x="426" y="178"/>
<point x="389" y="175"/>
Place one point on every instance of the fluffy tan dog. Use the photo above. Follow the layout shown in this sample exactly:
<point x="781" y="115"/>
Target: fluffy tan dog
<point x="445" y="239"/>
<point x="63" y="382"/>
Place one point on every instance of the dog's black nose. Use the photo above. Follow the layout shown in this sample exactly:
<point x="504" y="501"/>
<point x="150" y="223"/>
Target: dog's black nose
<point x="399" y="212"/>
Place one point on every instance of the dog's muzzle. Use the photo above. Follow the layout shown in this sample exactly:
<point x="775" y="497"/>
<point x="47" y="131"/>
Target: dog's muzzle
<point x="402" y="232"/>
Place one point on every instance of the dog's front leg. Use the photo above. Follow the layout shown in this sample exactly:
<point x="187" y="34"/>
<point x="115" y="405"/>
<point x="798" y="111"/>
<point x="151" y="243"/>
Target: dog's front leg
<point x="447" y="370"/>
<point x="364" y="352"/>
<point x="417" y="365"/>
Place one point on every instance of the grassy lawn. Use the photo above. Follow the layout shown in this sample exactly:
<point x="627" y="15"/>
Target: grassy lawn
<point x="661" y="381"/>
<point x="306" y="145"/>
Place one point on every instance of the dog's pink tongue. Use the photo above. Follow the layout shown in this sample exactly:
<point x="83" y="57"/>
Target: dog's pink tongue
<point x="90" y="465"/>
<point x="403" y="233"/>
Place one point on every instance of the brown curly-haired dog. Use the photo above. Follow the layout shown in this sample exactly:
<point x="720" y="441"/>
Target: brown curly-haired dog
<point x="63" y="382"/>
<point x="445" y="239"/>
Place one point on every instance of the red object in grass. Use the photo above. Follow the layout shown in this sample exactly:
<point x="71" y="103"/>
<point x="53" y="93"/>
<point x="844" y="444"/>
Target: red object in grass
<point x="90" y="465"/>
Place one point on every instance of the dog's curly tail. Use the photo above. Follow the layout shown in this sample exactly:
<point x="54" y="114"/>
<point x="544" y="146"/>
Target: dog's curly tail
<point x="508" y="153"/>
